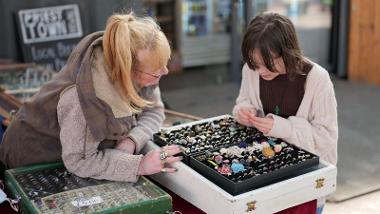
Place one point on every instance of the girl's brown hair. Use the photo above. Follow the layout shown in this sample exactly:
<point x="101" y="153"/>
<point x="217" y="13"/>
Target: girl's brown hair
<point x="124" y="36"/>
<point x="273" y="35"/>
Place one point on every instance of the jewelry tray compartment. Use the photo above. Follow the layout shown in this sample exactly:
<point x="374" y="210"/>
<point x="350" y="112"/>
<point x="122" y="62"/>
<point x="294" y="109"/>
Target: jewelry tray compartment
<point x="204" y="135"/>
<point x="199" y="163"/>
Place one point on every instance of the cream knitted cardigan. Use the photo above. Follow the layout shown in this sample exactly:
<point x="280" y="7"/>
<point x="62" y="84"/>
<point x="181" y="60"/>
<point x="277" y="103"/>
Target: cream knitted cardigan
<point x="314" y="127"/>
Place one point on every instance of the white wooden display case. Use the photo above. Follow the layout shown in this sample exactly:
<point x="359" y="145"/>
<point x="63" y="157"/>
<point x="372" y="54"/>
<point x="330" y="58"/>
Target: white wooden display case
<point x="207" y="196"/>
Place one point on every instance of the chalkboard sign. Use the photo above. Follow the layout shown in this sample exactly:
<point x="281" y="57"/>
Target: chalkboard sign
<point x="49" y="34"/>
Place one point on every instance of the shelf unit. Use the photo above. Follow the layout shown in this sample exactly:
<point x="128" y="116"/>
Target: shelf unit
<point x="198" y="30"/>
<point x="205" y="32"/>
<point x="165" y="12"/>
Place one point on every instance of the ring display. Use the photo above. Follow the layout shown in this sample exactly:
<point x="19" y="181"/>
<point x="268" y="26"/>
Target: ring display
<point x="235" y="157"/>
<point x="206" y="136"/>
<point x="163" y="155"/>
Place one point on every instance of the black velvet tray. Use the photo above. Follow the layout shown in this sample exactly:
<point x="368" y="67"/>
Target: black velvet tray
<point x="222" y="132"/>
<point x="235" y="185"/>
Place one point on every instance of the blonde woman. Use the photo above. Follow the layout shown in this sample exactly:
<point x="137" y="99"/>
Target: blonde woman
<point x="101" y="109"/>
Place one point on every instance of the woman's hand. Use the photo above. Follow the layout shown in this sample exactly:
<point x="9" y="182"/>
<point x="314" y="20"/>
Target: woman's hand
<point x="155" y="160"/>
<point x="263" y="124"/>
<point x="244" y="114"/>
<point x="127" y="145"/>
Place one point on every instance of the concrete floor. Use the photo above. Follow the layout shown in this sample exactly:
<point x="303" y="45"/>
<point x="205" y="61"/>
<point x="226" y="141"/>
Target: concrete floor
<point x="209" y="91"/>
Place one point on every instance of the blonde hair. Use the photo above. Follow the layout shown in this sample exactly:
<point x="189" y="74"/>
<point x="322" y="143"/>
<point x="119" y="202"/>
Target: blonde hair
<point x="124" y="36"/>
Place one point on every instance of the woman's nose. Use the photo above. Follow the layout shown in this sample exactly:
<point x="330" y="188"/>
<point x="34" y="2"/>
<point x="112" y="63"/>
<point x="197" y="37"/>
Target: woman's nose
<point x="261" y="70"/>
<point x="164" y="70"/>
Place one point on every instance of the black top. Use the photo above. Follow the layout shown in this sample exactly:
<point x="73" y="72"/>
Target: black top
<point x="283" y="96"/>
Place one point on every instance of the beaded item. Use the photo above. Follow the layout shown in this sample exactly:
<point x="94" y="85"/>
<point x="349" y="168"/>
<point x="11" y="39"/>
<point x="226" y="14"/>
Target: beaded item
<point x="268" y="152"/>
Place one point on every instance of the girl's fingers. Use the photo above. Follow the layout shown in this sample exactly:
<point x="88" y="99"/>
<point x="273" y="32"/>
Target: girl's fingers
<point x="246" y="113"/>
<point x="245" y="121"/>
<point x="263" y="125"/>
<point x="243" y="116"/>
<point x="260" y="120"/>
<point x="258" y="125"/>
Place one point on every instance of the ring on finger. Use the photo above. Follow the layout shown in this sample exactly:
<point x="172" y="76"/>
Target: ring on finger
<point x="163" y="170"/>
<point x="163" y="155"/>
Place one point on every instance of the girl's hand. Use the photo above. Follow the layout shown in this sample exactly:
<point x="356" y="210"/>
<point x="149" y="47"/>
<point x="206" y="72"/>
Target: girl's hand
<point x="244" y="114"/>
<point x="263" y="124"/>
<point x="153" y="163"/>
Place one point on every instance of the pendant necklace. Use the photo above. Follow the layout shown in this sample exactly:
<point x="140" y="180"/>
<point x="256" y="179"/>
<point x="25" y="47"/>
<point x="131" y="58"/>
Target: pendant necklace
<point x="277" y="107"/>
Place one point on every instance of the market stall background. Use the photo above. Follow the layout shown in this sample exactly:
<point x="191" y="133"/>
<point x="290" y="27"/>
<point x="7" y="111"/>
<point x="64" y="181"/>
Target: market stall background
<point x="190" y="89"/>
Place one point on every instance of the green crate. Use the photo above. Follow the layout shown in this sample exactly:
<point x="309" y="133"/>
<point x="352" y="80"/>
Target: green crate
<point x="49" y="188"/>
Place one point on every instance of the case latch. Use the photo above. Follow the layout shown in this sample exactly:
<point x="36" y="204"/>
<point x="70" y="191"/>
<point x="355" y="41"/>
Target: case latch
<point x="251" y="206"/>
<point x="319" y="183"/>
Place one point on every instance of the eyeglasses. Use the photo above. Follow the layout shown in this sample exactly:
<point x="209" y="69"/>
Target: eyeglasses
<point x="154" y="75"/>
<point x="149" y="74"/>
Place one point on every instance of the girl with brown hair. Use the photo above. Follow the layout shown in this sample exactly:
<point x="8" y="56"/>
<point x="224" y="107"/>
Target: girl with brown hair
<point x="283" y="94"/>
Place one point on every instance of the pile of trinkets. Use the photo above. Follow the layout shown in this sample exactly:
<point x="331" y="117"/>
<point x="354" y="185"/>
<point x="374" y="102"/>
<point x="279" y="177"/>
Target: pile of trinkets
<point x="207" y="136"/>
<point x="250" y="159"/>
